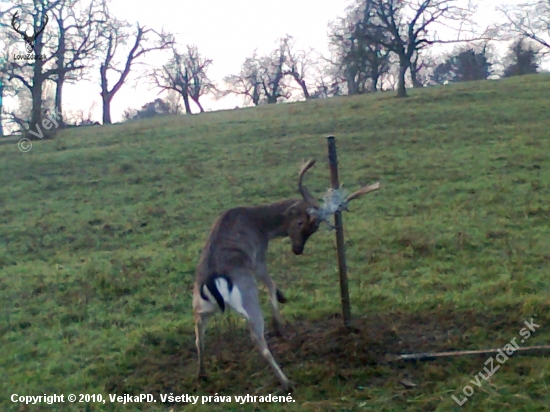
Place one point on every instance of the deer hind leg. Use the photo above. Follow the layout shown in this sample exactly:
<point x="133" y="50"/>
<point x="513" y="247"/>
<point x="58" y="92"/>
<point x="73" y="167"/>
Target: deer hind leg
<point x="201" y="322"/>
<point x="256" y="326"/>
<point x="251" y="306"/>
<point x="203" y="311"/>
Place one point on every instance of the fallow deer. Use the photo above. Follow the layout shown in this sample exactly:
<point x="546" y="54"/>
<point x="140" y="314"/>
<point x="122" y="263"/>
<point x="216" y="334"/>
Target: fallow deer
<point x="234" y="257"/>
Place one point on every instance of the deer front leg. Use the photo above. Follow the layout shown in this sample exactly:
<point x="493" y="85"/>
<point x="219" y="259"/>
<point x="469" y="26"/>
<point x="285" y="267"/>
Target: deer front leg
<point x="275" y="297"/>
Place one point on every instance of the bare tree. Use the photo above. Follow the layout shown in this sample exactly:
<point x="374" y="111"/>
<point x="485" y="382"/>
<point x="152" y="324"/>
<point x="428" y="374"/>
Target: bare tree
<point x="185" y="73"/>
<point x="327" y="81"/>
<point x="422" y="68"/>
<point x="23" y="112"/>
<point x="199" y="83"/>
<point x="247" y="83"/>
<point x="174" y="76"/>
<point x="129" y="114"/>
<point x="415" y="67"/>
<point x="3" y="90"/>
<point x="173" y="100"/>
<point x="348" y="58"/>
<point x="79" y="26"/>
<point x="272" y="75"/>
<point x="377" y="64"/>
<point x="65" y="51"/>
<point x="261" y="78"/>
<point x="298" y="63"/>
<point x="360" y="60"/>
<point x="403" y="27"/>
<point x="530" y="19"/>
<point x="33" y="72"/>
<point x="6" y="87"/>
<point x="116" y="35"/>
<point x="82" y="118"/>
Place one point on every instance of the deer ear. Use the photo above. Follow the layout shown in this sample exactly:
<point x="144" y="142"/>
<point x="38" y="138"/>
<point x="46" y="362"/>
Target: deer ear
<point x="291" y="210"/>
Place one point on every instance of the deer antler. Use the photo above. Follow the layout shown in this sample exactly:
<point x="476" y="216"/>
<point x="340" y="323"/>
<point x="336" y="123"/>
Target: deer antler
<point x="363" y="191"/>
<point x="308" y="197"/>
<point x="13" y="19"/>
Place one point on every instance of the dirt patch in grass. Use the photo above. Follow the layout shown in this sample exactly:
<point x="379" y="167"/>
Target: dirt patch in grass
<point x="358" y="354"/>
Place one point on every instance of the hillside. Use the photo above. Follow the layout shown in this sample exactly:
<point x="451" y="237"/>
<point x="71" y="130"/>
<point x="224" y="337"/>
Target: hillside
<point x="102" y="227"/>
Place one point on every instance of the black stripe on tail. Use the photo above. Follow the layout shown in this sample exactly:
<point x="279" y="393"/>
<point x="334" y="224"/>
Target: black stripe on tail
<point x="213" y="289"/>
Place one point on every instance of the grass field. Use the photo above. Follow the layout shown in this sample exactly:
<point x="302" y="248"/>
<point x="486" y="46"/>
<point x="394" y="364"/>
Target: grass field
<point x="102" y="227"/>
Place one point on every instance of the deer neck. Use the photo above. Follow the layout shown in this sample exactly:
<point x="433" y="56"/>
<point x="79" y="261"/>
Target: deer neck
<point x="271" y="218"/>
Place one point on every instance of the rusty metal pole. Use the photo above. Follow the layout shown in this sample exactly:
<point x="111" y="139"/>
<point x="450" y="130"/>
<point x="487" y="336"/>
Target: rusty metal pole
<point x="342" y="267"/>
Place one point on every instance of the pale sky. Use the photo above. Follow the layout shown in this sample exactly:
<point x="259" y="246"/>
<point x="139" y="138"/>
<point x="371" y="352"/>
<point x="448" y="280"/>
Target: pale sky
<point x="226" y="32"/>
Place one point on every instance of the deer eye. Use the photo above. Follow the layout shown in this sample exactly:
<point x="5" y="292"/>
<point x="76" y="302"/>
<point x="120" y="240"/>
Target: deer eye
<point x="300" y="223"/>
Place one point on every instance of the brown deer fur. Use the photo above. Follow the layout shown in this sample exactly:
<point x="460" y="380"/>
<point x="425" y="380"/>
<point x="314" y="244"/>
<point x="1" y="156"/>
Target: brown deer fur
<point x="234" y="257"/>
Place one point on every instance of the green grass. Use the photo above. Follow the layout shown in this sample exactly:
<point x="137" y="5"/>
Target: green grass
<point x="102" y="227"/>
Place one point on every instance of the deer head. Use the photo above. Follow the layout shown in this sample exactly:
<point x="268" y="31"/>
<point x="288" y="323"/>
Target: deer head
<point x="300" y="222"/>
<point x="303" y="218"/>
<point x="29" y="40"/>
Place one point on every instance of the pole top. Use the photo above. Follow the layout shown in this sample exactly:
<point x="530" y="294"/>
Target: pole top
<point x="330" y="137"/>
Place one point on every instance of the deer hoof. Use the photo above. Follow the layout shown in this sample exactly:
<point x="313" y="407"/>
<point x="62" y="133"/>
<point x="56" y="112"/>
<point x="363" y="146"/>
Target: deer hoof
<point x="289" y="386"/>
<point x="280" y="332"/>
<point x="283" y="334"/>
<point x="280" y="297"/>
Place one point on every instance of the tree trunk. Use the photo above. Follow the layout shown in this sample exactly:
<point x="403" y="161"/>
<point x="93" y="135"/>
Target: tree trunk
<point x="1" y="105"/>
<point x="58" y="97"/>
<point x="271" y="99"/>
<point x="60" y="60"/>
<point x="353" y="89"/>
<point x="255" y="96"/>
<point x="36" y="95"/>
<point x="414" y="78"/>
<point x="403" y="66"/>
<point x="106" y="98"/>
<point x="196" y="100"/>
<point x="303" y="85"/>
<point x="186" y="104"/>
<point x="105" y="95"/>
<point x="305" y="90"/>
